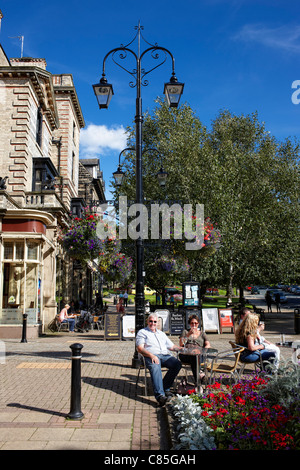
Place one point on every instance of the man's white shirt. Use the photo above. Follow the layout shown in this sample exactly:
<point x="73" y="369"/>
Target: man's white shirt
<point x="155" y="342"/>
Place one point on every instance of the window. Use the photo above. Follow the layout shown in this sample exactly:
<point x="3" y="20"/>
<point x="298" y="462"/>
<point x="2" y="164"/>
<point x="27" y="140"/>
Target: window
<point x="14" y="251"/>
<point x="19" y="250"/>
<point x="32" y="251"/>
<point x="8" y="250"/>
<point x="21" y="288"/>
<point x="77" y="206"/>
<point x="44" y="174"/>
<point x="39" y="126"/>
<point x="73" y="166"/>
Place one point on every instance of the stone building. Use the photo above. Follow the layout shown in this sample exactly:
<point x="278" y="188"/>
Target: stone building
<point x="40" y="122"/>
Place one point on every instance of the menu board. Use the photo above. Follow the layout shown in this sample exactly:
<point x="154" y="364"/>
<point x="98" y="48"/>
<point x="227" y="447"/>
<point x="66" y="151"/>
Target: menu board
<point x="128" y="327"/>
<point x="226" y="319"/>
<point x="191" y="294"/>
<point x="112" y="326"/>
<point x="210" y="319"/>
<point x="165" y="319"/>
<point x="177" y="322"/>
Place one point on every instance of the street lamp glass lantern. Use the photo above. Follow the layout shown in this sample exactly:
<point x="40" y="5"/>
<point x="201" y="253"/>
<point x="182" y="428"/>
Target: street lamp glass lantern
<point x="118" y="176"/>
<point x="103" y="92"/>
<point x="162" y="177"/>
<point x="173" y="91"/>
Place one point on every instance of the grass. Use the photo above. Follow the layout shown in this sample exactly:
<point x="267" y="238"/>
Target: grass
<point x="217" y="301"/>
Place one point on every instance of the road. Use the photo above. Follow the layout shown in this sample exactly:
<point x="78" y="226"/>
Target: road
<point x="293" y="301"/>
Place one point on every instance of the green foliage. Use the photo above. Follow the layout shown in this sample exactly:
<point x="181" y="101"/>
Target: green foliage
<point x="249" y="185"/>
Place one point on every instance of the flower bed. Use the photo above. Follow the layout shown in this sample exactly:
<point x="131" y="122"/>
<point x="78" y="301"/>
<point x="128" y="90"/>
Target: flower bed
<point x="256" y="414"/>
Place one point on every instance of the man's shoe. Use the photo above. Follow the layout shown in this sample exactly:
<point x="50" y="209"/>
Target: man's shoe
<point x="162" y="399"/>
<point x="169" y="395"/>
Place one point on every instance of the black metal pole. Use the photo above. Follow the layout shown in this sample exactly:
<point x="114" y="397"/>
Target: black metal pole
<point x="24" y="329"/>
<point x="139" y="288"/>
<point x="75" y="410"/>
<point x="104" y="90"/>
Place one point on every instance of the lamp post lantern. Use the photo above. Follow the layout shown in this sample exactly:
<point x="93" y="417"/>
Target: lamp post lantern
<point x="104" y="92"/>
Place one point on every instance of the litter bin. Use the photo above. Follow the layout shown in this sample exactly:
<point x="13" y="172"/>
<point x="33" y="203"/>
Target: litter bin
<point x="297" y="320"/>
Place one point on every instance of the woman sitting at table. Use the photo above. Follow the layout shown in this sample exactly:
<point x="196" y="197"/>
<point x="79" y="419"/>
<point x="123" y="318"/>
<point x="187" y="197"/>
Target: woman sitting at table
<point x="192" y="340"/>
<point x="246" y="335"/>
<point x="63" y="317"/>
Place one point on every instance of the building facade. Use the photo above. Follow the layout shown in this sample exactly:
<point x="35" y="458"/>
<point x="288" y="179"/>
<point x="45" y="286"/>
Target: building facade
<point x="40" y="122"/>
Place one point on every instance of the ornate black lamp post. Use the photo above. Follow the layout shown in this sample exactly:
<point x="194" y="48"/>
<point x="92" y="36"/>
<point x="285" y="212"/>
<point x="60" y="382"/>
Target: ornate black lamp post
<point x="173" y="91"/>
<point x="119" y="174"/>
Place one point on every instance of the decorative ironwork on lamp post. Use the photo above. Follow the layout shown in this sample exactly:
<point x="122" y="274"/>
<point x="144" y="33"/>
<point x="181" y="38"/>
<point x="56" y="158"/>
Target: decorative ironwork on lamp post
<point x="119" y="174"/>
<point x="104" y="92"/>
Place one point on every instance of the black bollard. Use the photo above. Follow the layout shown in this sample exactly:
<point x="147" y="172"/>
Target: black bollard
<point x="75" y="411"/>
<point x="297" y="320"/>
<point x="24" y="328"/>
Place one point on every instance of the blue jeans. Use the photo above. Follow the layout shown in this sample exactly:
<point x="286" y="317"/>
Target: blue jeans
<point x="162" y="385"/>
<point x="71" y="322"/>
<point x="253" y="356"/>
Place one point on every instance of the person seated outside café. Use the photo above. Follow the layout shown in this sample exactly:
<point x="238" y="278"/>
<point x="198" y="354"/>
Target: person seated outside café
<point x="193" y="339"/>
<point x="243" y="313"/>
<point x="268" y="345"/>
<point x="63" y="317"/>
<point x="155" y="345"/>
<point x="246" y="335"/>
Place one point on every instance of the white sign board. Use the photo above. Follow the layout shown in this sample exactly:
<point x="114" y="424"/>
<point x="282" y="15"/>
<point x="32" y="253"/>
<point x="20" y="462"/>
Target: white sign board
<point x="165" y="317"/>
<point x="128" y="326"/>
<point x="210" y="319"/>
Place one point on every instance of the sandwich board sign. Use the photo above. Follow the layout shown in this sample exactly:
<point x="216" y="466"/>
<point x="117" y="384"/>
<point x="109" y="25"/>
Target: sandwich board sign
<point x="210" y="319"/>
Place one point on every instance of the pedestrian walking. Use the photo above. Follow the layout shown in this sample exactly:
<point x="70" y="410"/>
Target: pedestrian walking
<point x="269" y="302"/>
<point x="277" y="301"/>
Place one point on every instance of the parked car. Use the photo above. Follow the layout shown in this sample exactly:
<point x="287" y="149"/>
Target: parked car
<point x="294" y="288"/>
<point x="147" y="291"/>
<point x="255" y="290"/>
<point x="173" y="291"/>
<point x="212" y="291"/>
<point x="297" y="291"/>
<point x="283" y="299"/>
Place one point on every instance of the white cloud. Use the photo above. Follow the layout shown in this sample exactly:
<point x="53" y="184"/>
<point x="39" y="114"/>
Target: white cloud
<point x="283" y="37"/>
<point x="97" y="140"/>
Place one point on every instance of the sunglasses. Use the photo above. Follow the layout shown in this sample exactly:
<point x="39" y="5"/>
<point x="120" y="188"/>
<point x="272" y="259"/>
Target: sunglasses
<point x="194" y="323"/>
<point x="152" y="321"/>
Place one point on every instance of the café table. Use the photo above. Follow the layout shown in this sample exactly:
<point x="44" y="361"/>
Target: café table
<point x="203" y="355"/>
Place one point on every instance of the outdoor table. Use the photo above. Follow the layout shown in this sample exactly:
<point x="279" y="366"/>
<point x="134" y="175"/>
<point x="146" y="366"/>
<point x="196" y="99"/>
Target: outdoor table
<point x="202" y="357"/>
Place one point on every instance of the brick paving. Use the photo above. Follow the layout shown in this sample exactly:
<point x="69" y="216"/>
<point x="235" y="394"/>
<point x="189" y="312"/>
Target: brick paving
<point x="35" y="388"/>
<point x="35" y="392"/>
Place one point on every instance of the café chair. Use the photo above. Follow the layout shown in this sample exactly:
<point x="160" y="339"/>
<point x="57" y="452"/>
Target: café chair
<point x="142" y="365"/>
<point x="62" y="325"/>
<point x="258" y="365"/>
<point x="225" y="362"/>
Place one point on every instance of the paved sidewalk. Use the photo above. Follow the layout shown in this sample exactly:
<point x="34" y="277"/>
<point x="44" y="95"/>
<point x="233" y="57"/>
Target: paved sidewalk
<point x="35" y="389"/>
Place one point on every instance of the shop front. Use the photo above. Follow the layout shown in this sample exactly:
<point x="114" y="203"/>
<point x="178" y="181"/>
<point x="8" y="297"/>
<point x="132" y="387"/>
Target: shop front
<point x="27" y="275"/>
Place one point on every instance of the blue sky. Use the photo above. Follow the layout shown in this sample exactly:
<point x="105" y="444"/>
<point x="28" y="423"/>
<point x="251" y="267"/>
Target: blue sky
<point x="242" y="55"/>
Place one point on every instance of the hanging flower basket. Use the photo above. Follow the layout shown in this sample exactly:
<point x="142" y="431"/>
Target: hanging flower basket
<point x="81" y="241"/>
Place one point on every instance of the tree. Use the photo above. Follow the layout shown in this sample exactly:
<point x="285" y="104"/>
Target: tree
<point x="247" y="181"/>
<point x="256" y="198"/>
